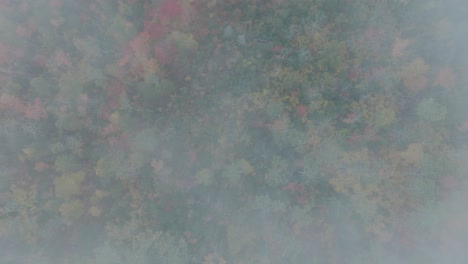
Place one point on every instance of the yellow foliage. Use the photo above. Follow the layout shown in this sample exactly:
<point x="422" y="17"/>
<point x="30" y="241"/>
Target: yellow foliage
<point x="313" y="137"/>
<point x="247" y="167"/>
<point x="378" y="110"/>
<point x="183" y="41"/>
<point x="69" y="184"/>
<point x="289" y="80"/>
<point x="259" y="99"/>
<point x="413" y="155"/>
<point x="30" y="153"/>
<point x="281" y="124"/>
<point x="379" y="228"/>
<point x="95" y="211"/>
<point x="158" y="165"/>
<point x="29" y="228"/>
<point x="151" y="67"/>
<point x="413" y="75"/>
<point x="361" y="156"/>
<point x="399" y="47"/>
<point x="101" y="169"/>
<point x="446" y="78"/>
<point x="416" y="67"/>
<point x="205" y="177"/>
<point x="213" y="259"/>
<point x="384" y="116"/>
<point x="101" y="194"/>
<point x="115" y="118"/>
<point x="136" y="195"/>
<point x="72" y="210"/>
<point x="346" y="183"/>
<point x="52" y="205"/>
<point x="237" y="239"/>
<point x="463" y="127"/>
<point x="137" y="159"/>
<point x="25" y="198"/>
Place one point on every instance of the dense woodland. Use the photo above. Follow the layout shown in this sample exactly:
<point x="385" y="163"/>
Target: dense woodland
<point x="229" y="132"/>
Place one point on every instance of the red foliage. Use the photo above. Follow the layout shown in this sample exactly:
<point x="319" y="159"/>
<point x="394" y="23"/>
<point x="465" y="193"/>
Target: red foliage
<point x="26" y="30"/>
<point x="448" y="184"/>
<point x="109" y="129"/>
<point x="35" y="111"/>
<point x="354" y="138"/>
<point x="353" y="75"/>
<point x="155" y="31"/>
<point x="62" y="59"/>
<point x="119" y="142"/>
<point x="41" y="166"/>
<point x="113" y="90"/>
<point x="193" y="157"/>
<point x="11" y="103"/>
<point x="140" y="44"/>
<point x="454" y="232"/>
<point x="300" y="192"/>
<point x="127" y="55"/>
<point x="370" y="134"/>
<point x="446" y="78"/>
<point x="169" y="206"/>
<point x="40" y="60"/>
<point x="5" y="53"/>
<point x="164" y="53"/>
<point x="278" y="48"/>
<point x="302" y="110"/>
<point x="82" y="104"/>
<point x="170" y="9"/>
<point x="372" y="33"/>
<point x="350" y="119"/>
<point x="55" y="5"/>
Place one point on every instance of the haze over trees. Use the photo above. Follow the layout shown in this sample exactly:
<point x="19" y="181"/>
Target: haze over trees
<point x="215" y="132"/>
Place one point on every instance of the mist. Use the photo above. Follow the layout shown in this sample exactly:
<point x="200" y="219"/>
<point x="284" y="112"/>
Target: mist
<point x="229" y="132"/>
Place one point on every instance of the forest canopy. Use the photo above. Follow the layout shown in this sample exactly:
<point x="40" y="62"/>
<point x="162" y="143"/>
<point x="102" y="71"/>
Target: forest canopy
<point x="204" y="131"/>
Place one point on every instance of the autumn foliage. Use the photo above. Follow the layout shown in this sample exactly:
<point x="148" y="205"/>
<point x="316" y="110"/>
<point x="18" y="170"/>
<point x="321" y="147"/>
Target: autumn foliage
<point x="207" y="131"/>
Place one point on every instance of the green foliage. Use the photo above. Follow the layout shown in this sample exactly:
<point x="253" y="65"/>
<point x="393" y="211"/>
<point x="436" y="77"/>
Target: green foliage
<point x="66" y="163"/>
<point x="430" y="110"/>
<point x="42" y="87"/>
<point x="332" y="58"/>
<point x="205" y="177"/>
<point x="226" y="132"/>
<point x="71" y="210"/>
<point x="183" y="41"/>
<point x="146" y="141"/>
<point x="115" y="165"/>
<point x="235" y="171"/>
<point x="70" y="123"/>
<point x="107" y="254"/>
<point x="278" y="173"/>
<point x="69" y="184"/>
<point x="265" y="206"/>
<point x="71" y="86"/>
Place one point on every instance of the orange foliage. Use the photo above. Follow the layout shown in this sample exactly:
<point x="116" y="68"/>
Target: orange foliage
<point x="35" y="111"/>
<point x="413" y="155"/>
<point x="445" y="78"/>
<point x="170" y="8"/>
<point x="281" y="124"/>
<point x="302" y="110"/>
<point x="213" y="258"/>
<point x="413" y="75"/>
<point x="399" y="47"/>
